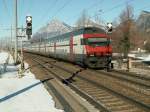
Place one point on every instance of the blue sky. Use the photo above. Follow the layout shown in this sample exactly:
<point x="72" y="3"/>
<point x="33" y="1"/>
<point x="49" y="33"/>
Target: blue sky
<point x="67" y="11"/>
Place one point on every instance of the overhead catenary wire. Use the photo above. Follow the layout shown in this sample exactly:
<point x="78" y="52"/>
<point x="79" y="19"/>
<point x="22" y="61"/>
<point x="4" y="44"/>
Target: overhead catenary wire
<point x="60" y="9"/>
<point x="136" y="10"/>
<point x="117" y="6"/>
<point x="9" y="16"/>
<point x="51" y="6"/>
<point x="49" y="9"/>
<point x="22" y="7"/>
<point x="28" y="9"/>
<point x="111" y="9"/>
<point x="90" y="7"/>
<point x="6" y="8"/>
<point x="70" y="1"/>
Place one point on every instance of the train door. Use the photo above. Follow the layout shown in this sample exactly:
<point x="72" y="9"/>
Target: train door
<point x="71" y="57"/>
<point x="78" y="49"/>
<point x="81" y="46"/>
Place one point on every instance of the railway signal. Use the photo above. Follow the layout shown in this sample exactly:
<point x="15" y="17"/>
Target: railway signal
<point x="109" y="27"/>
<point x="29" y="26"/>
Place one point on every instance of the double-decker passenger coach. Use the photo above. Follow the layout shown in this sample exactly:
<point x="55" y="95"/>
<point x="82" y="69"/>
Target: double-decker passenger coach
<point x="88" y="46"/>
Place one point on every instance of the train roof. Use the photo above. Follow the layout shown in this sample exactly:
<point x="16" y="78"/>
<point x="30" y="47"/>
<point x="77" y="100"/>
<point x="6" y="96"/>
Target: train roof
<point x="85" y="30"/>
<point x="90" y="30"/>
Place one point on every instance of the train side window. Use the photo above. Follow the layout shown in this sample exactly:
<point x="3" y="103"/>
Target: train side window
<point x="83" y="42"/>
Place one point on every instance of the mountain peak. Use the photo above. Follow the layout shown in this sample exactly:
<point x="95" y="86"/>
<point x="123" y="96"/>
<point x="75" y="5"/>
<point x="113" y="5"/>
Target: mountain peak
<point x="53" y="28"/>
<point x="143" y="21"/>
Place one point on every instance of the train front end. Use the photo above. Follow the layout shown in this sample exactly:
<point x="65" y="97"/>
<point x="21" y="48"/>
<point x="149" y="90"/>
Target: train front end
<point x="98" y="49"/>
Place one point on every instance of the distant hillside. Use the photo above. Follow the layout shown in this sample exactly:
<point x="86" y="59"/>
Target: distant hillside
<point x="53" y="28"/>
<point x="143" y="21"/>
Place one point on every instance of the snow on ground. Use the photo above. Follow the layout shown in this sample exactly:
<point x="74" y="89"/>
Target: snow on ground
<point x="25" y="94"/>
<point x="3" y="57"/>
<point x="147" y="58"/>
<point x="134" y="69"/>
<point x="10" y="68"/>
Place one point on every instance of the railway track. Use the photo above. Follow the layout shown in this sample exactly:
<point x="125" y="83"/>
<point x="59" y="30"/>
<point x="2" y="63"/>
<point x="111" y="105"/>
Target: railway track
<point x="96" y="104"/>
<point x="131" y="74"/>
<point x="130" y="77"/>
<point x="103" y="97"/>
<point x="64" y="97"/>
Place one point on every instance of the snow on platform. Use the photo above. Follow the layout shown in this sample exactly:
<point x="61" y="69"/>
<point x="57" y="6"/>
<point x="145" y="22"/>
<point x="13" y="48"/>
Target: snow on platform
<point x="25" y="94"/>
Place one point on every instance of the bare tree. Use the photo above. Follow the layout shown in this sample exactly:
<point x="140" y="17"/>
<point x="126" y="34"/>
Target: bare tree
<point x="125" y="30"/>
<point x="124" y="33"/>
<point x="147" y="45"/>
<point x="126" y="19"/>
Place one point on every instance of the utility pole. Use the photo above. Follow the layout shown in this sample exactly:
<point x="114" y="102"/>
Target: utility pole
<point x="15" y="25"/>
<point x="21" y="35"/>
<point x="22" y="58"/>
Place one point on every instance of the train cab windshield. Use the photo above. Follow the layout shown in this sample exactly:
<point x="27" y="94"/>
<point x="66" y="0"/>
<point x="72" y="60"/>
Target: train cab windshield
<point x="102" y="41"/>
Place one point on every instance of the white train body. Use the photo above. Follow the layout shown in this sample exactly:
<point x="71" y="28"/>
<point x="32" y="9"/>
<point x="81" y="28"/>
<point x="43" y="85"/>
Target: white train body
<point x="75" y="47"/>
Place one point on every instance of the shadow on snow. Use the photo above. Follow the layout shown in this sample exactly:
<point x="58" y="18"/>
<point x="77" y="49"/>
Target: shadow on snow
<point x="22" y="90"/>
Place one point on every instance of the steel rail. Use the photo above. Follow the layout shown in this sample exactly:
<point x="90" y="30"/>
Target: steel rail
<point x="93" y="101"/>
<point x="147" y="107"/>
<point x="128" y="78"/>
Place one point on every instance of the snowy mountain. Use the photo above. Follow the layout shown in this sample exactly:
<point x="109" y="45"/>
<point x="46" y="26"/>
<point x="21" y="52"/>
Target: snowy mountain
<point x="53" y="28"/>
<point x="143" y="21"/>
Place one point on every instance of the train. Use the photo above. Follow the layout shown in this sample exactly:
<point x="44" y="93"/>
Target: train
<point x="89" y="46"/>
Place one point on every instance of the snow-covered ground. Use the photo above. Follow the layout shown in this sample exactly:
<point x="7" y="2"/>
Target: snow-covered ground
<point x="133" y="69"/>
<point x="25" y="94"/>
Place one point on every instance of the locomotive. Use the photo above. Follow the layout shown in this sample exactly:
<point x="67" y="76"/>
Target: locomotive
<point x="88" y="46"/>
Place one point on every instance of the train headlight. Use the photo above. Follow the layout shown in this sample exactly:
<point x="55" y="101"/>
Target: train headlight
<point x="91" y="54"/>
